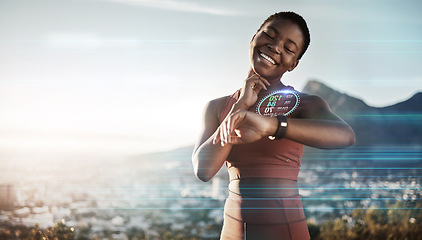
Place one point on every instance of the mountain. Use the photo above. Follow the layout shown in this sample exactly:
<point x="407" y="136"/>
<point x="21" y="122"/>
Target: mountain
<point x="387" y="130"/>
<point x="395" y="125"/>
<point x="413" y="104"/>
<point x="339" y="102"/>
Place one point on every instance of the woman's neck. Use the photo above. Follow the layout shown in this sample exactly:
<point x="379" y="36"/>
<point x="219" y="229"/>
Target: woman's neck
<point x="275" y="85"/>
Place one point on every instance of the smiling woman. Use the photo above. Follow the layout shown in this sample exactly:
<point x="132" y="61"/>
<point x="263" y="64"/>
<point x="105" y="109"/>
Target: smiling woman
<point x="260" y="131"/>
<point x="274" y="38"/>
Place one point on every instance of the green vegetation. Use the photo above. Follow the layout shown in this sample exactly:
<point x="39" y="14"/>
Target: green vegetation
<point x="58" y="232"/>
<point x="400" y="221"/>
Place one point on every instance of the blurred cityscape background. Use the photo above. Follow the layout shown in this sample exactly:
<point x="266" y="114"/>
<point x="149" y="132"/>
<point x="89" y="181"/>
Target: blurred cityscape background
<point x="101" y="101"/>
<point x="151" y="195"/>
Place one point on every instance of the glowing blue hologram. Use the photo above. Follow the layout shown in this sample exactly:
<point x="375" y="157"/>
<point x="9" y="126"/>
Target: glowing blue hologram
<point x="281" y="102"/>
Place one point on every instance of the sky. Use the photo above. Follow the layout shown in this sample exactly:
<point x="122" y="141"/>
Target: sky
<point x="125" y="77"/>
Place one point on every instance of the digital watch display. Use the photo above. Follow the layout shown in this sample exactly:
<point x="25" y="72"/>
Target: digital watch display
<point x="281" y="102"/>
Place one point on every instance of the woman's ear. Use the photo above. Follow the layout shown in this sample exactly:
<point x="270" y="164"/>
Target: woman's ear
<point x="293" y="66"/>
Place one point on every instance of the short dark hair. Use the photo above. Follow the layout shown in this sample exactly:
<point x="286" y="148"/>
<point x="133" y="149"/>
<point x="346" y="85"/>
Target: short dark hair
<point x="297" y="19"/>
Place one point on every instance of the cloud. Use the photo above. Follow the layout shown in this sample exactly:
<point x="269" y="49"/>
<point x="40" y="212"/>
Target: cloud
<point x="177" y="6"/>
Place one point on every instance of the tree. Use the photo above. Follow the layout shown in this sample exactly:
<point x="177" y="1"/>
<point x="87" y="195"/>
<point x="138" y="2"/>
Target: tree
<point x="58" y="232"/>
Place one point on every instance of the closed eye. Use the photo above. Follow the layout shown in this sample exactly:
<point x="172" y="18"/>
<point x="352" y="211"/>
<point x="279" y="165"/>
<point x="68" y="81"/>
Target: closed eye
<point x="266" y="34"/>
<point x="290" y="51"/>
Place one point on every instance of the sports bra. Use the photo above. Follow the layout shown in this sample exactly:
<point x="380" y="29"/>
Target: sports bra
<point x="264" y="158"/>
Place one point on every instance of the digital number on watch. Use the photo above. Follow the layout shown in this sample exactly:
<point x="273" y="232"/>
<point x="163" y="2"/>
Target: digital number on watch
<point x="282" y="102"/>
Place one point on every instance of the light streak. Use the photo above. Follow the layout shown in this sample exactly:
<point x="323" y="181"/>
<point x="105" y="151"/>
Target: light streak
<point x="221" y="208"/>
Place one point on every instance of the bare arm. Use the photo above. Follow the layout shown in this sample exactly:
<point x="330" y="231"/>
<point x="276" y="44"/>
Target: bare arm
<point x="317" y="127"/>
<point x="208" y="157"/>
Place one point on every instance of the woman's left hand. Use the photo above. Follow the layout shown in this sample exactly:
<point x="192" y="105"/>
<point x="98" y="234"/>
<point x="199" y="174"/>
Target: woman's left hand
<point x="244" y="127"/>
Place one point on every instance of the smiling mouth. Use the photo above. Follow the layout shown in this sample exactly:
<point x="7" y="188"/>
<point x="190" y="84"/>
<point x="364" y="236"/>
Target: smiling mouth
<point x="268" y="58"/>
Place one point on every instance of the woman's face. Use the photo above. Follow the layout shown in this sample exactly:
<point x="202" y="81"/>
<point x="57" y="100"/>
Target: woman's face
<point x="274" y="49"/>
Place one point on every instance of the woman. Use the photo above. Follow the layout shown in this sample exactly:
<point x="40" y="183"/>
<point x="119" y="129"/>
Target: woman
<point x="264" y="201"/>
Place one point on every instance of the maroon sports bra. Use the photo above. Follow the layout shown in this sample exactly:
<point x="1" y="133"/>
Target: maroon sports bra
<point x="264" y="158"/>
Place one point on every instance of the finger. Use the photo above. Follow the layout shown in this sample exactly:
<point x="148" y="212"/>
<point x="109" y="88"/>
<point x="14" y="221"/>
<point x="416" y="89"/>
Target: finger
<point x="235" y="140"/>
<point x="251" y="73"/>
<point x="216" y="137"/>
<point x="229" y="126"/>
<point x="223" y="133"/>
<point x="235" y="122"/>
<point x="220" y="136"/>
<point x="231" y="122"/>
<point x="261" y="84"/>
<point x="232" y="138"/>
<point x="262" y="79"/>
<point x="252" y="77"/>
<point x="265" y="81"/>
<point x="237" y="131"/>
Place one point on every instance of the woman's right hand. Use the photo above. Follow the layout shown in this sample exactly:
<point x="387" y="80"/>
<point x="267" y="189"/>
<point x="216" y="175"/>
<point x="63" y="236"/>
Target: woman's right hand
<point x="250" y="90"/>
<point x="244" y="127"/>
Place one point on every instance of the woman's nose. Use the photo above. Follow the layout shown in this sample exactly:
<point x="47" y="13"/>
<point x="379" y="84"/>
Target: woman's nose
<point x="274" y="48"/>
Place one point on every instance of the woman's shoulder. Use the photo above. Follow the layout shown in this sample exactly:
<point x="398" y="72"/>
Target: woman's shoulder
<point x="307" y="98"/>
<point x="314" y="100"/>
<point x="221" y="102"/>
<point x="216" y="106"/>
<point x="217" y="103"/>
<point x="213" y="109"/>
<point x="310" y="105"/>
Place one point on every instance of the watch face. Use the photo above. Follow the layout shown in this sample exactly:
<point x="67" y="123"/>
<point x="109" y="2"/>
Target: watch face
<point x="282" y="102"/>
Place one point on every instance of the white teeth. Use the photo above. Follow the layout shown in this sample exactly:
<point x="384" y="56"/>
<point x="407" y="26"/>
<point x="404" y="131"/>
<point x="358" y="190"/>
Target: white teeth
<point x="267" y="58"/>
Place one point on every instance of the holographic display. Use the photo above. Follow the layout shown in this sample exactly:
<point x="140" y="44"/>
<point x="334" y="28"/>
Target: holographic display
<point x="281" y="102"/>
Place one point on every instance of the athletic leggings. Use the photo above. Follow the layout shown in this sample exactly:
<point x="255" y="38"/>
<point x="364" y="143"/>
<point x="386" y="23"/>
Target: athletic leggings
<point x="264" y="218"/>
